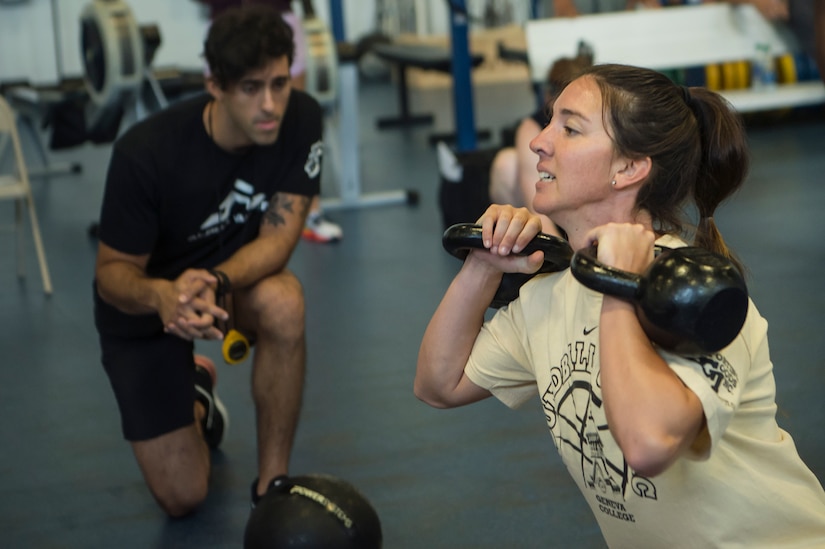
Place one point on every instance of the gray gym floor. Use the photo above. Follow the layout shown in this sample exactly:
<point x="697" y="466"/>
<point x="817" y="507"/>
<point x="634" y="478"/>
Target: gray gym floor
<point x="477" y="477"/>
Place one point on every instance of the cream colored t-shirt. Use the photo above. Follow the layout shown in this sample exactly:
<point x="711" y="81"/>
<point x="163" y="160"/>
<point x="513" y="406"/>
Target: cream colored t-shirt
<point x="749" y="489"/>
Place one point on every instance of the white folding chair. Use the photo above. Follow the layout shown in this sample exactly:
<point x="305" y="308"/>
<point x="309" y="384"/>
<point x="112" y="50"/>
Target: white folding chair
<point x="15" y="186"/>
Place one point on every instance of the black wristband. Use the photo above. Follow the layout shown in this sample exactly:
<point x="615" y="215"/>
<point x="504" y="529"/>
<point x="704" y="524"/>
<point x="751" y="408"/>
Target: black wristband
<point x="224" y="286"/>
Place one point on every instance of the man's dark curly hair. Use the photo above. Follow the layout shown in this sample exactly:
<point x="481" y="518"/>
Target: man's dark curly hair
<point x="244" y="39"/>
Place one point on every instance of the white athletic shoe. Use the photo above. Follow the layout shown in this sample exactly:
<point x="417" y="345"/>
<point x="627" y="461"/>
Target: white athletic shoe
<point x="320" y="229"/>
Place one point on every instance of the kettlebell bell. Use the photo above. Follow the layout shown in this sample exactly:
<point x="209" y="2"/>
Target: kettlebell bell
<point x="689" y="300"/>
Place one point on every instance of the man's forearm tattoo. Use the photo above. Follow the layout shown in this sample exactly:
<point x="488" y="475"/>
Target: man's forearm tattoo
<point x="281" y="205"/>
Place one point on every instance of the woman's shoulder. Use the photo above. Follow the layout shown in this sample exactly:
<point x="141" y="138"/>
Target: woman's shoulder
<point x="671" y="241"/>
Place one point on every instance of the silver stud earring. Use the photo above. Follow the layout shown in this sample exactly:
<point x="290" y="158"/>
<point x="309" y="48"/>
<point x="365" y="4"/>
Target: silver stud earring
<point x="613" y="183"/>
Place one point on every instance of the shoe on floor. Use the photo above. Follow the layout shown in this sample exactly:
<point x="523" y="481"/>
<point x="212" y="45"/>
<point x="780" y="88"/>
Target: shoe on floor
<point x="448" y="165"/>
<point x="277" y="483"/>
<point x="215" y="423"/>
<point x="320" y="229"/>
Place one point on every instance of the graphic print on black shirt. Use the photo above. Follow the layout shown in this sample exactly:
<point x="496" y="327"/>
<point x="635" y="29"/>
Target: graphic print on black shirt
<point x="234" y="208"/>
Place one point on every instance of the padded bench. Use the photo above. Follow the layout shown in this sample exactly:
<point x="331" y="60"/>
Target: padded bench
<point x="678" y="37"/>
<point x="418" y="56"/>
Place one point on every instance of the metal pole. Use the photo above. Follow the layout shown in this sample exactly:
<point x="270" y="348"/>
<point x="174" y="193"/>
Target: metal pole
<point x="336" y="12"/>
<point x="534" y="9"/>
<point x="462" y="81"/>
<point x="342" y="137"/>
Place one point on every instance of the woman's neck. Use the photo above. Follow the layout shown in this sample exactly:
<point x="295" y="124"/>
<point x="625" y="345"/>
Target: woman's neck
<point x="581" y="226"/>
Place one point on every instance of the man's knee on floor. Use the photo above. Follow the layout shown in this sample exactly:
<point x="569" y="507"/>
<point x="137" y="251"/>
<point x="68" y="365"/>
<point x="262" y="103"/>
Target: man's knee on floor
<point x="175" y="467"/>
<point x="178" y="500"/>
<point x="179" y="492"/>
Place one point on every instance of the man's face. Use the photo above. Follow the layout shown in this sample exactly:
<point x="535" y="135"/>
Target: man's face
<point x="254" y="107"/>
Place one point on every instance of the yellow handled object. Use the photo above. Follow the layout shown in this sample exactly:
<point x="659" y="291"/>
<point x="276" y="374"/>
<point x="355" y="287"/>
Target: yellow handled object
<point x="235" y="347"/>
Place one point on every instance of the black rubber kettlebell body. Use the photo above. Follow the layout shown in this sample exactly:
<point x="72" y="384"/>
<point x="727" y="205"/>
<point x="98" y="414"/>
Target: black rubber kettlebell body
<point x="689" y="300"/>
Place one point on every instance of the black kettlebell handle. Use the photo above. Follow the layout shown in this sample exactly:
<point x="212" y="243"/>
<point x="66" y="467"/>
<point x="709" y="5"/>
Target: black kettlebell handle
<point x="459" y="239"/>
<point x="604" y="279"/>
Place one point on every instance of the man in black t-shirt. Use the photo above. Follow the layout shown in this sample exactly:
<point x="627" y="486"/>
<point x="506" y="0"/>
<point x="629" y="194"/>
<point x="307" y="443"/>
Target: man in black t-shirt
<point x="203" y="207"/>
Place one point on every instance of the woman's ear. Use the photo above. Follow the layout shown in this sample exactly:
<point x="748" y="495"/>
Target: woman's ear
<point x="632" y="172"/>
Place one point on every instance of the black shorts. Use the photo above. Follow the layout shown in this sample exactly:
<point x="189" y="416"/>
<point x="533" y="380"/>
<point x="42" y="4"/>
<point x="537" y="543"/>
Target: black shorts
<point x="153" y="380"/>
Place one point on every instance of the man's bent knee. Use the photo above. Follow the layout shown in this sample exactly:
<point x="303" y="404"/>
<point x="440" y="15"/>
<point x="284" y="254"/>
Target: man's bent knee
<point x="275" y="306"/>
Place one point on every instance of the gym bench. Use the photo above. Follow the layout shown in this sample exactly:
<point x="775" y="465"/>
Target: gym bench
<point x="419" y="56"/>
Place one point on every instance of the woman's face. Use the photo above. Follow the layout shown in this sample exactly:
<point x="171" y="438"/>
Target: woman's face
<point x="576" y="156"/>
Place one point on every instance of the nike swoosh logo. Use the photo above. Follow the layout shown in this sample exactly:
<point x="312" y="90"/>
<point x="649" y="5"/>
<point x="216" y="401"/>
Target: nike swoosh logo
<point x="590" y="331"/>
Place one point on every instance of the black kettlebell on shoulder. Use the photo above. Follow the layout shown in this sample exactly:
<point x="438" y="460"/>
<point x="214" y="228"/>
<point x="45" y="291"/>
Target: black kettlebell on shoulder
<point x="459" y="239"/>
<point x="689" y="300"/>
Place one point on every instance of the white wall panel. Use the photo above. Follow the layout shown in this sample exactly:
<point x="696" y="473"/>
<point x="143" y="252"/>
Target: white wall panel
<point x="27" y="48"/>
